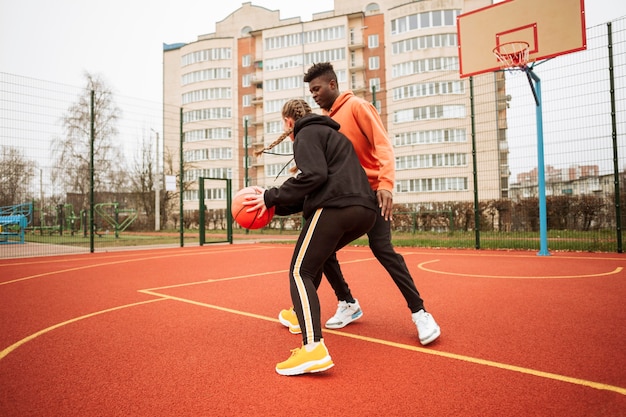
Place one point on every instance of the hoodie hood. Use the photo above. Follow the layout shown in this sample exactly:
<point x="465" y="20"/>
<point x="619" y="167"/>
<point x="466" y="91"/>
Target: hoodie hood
<point x="311" y="119"/>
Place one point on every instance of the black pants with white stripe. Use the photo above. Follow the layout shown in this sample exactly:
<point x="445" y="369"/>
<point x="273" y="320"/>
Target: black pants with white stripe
<point x="382" y="248"/>
<point x="324" y="233"/>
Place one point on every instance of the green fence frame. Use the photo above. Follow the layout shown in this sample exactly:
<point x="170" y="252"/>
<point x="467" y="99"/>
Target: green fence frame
<point x="202" y="209"/>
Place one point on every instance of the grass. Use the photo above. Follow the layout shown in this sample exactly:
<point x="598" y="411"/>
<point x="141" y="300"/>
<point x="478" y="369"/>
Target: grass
<point x="558" y="240"/>
<point x="123" y="239"/>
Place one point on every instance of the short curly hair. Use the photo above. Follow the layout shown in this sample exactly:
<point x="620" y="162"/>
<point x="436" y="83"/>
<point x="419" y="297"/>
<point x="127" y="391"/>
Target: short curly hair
<point x="322" y="69"/>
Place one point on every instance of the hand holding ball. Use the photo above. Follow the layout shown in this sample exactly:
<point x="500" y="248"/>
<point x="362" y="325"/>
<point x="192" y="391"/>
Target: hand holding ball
<point x="249" y="220"/>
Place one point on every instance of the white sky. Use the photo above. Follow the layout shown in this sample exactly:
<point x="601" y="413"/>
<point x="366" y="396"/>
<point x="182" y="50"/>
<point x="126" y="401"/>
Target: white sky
<point x="57" y="40"/>
<point x="122" y="40"/>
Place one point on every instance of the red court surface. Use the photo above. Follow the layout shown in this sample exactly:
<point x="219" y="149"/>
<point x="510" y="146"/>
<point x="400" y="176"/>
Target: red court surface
<point x="194" y="332"/>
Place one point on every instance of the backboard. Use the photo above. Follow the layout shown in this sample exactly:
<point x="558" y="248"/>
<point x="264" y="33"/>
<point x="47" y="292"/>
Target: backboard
<point x="550" y="27"/>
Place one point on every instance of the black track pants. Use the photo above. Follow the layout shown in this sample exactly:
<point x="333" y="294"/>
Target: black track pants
<point x="380" y="244"/>
<point x="324" y="233"/>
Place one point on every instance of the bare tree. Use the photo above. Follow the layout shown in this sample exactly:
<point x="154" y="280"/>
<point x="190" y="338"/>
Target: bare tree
<point x="73" y="151"/>
<point x="170" y="199"/>
<point x="16" y="176"/>
<point x="144" y="178"/>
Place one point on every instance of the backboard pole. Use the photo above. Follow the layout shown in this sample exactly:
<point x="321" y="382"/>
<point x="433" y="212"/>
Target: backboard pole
<point x="528" y="70"/>
<point x="541" y="181"/>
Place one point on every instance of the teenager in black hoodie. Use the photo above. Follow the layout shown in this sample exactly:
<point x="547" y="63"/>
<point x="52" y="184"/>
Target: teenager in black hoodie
<point x="333" y="193"/>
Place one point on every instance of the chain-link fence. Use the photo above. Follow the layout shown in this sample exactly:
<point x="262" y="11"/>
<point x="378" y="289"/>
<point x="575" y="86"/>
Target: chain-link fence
<point x="46" y="178"/>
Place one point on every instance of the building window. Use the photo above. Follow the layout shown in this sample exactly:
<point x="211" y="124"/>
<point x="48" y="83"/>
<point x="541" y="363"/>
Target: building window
<point x="207" y="114"/>
<point x="374" y="63"/>
<point x="206" y="55"/>
<point x="428" y="89"/>
<point x="434" y="18"/>
<point x="216" y="154"/>
<point x="429" y="113"/>
<point x="432" y="185"/>
<point x="216" y="93"/>
<point x="421" y="161"/>
<point x="206" y="75"/>
<point x="424" y="42"/>
<point x="274" y="127"/>
<point x="274" y="106"/>
<point x="430" y="136"/>
<point x="246" y="60"/>
<point x="372" y="41"/>
<point x="217" y="133"/>
<point x="449" y="63"/>
<point x="279" y="170"/>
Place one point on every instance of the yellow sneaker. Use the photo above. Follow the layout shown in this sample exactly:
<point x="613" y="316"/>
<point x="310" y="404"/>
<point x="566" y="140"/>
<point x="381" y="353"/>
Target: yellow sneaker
<point x="303" y="362"/>
<point x="289" y="319"/>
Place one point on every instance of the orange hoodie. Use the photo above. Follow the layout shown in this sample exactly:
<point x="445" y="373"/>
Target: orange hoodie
<point x="360" y="122"/>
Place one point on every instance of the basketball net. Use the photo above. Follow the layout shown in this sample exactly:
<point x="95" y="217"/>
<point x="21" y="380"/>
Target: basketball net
<point x="512" y="55"/>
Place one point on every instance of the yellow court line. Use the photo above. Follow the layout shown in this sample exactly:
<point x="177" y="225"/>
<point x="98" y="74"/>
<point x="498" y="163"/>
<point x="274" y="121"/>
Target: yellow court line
<point x="124" y="261"/>
<point x="258" y="274"/>
<point x="188" y="284"/>
<point x="507" y="367"/>
<point x="507" y="254"/>
<point x="404" y="250"/>
<point x="469" y="359"/>
<point x="14" y="346"/>
<point x="161" y="297"/>
<point x="602" y="274"/>
<point x="124" y="254"/>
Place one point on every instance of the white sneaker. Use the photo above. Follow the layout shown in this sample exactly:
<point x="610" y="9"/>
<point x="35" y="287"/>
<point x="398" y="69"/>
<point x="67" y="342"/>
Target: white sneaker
<point x="346" y="314"/>
<point x="427" y="328"/>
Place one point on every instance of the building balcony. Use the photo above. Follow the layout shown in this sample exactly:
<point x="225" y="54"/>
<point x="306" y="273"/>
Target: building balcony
<point x="252" y="121"/>
<point x="357" y="66"/>
<point x="356" y="45"/>
<point x="255" y="161"/>
<point x="257" y="79"/>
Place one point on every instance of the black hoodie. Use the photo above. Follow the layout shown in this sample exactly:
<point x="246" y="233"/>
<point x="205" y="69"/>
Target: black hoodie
<point x="330" y="174"/>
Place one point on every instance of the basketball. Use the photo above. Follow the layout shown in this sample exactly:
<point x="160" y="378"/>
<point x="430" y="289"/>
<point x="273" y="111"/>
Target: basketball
<point x="249" y="220"/>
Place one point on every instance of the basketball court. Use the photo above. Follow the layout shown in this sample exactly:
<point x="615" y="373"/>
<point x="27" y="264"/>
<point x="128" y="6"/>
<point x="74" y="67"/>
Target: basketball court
<point x="194" y="331"/>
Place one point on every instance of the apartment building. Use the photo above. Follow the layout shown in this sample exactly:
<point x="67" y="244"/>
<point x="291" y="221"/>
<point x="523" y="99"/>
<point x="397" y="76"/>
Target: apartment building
<point x="230" y="86"/>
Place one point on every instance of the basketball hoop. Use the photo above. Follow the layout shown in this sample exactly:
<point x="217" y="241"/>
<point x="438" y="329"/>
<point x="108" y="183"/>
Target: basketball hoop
<point x="512" y="54"/>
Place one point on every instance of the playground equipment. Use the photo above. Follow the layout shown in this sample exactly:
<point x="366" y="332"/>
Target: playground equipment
<point x="65" y="220"/>
<point x="110" y="213"/>
<point x="13" y="222"/>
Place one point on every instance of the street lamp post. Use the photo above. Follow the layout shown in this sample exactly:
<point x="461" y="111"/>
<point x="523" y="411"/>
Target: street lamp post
<point x="157" y="188"/>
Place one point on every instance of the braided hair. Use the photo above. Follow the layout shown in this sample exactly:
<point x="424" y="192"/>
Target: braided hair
<point x="295" y="108"/>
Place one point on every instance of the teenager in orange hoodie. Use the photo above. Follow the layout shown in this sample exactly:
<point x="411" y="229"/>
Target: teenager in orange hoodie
<point x="360" y="122"/>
